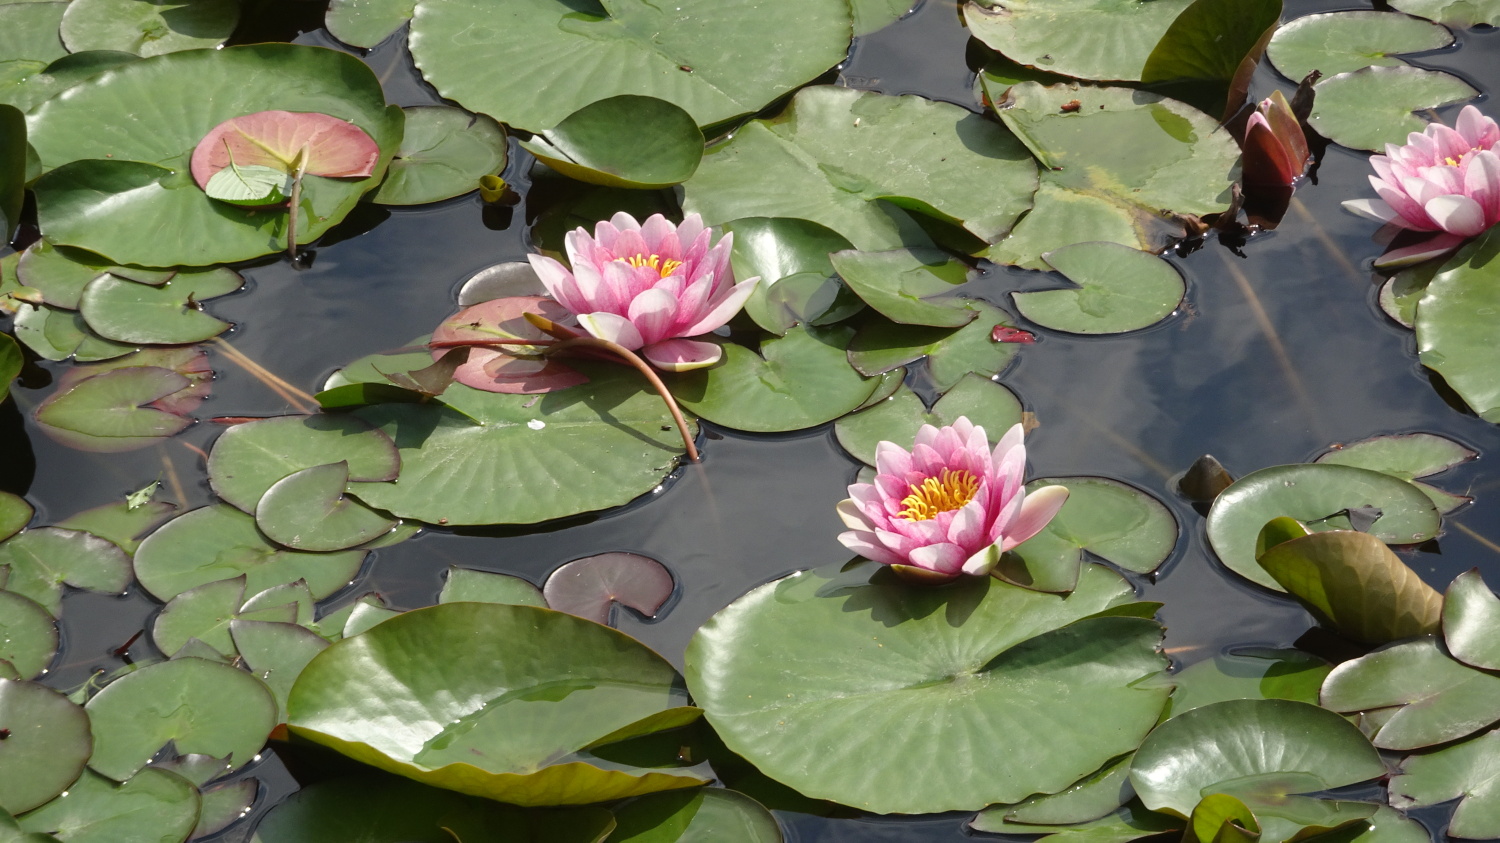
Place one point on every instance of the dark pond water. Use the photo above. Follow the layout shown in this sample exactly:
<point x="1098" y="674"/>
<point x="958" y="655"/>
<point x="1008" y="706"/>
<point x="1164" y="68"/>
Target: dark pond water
<point x="1274" y="356"/>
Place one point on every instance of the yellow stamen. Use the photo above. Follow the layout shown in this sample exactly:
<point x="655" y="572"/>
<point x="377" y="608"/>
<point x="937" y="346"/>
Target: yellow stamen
<point x="663" y="268"/>
<point x="1450" y="162"/>
<point x="944" y="493"/>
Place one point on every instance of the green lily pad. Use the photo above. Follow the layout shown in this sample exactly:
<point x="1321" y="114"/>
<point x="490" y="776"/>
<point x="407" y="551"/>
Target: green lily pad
<point x="154" y="805"/>
<point x="205" y="613"/>
<point x="882" y="345"/>
<point x="121" y="523"/>
<point x="873" y="15"/>
<point x="460" y="463"/>
<point x="1221" y="818"/>
<point x="307" y="510"/>
<point x="1353" y="584"/>
<point x="148" y="27"/>
<point x="161" y="217"/>
<point x="1096" y="39"/>
<point x="908" y="286"/>
<point x="506" y="714"/>
<point x="28" y="634"/>
<point x="797" y="381"/>
<point x="857" y="162"/>
<point x="1120" y="289"/>
<point x="1092" y="798"/>
<point x="387" y="809"/>
<point x="1386" y="825"/>
<point x="863" y="690"/>
<point x="365" y="23"/>
<point x="364" y="616"/>
<point x="694" y="816"/>
<point x="444" y="152"/>
<point x="1464" y="14"/>
<point x="1112" y="166"/>
<point x="15" y="514"/>
<point x="1249" y="674"/>
<point x="793" y="254"/>
<point x="897" y="419"/>
<point x="57" y="334"/>
<point x="1105" y="518"/>
<point x="468" y="585"/>
<point x="538" y="61"/>
<point x="247" y="459"/>
<point x="1268" y="745"/>
<point x="11" y="832"/>
<point x="33" y="83"/>
<point x="1371" y="107"/>
<point x="1338" y="42"/>
<point x="224" y="805"/>
<point x="1471" y="618"/>
<point x="1440" y="699"/>
<point x="62" y="274"/>
<point x="48" y="744"/>
<point x="1206" y="57"/>
<point x="44" y="558"/>
<point x="11" y="362"/>
<point x="1311" y="493"/>
<point x="191" y="363"/>
<point x="1408" y="456"/>
<point x="1466" y="771"/>
<point x="1401" y="292"/>
<point x="113" y="411"/>
<point x="220" y="542"/>
<point x="129" y="312"/>
<point x="1454" y="337"/>
<point x="1131" y="822"/>
<point x="29" y="31"/>
<point x="275" y="652"/>
<point x="200" y="706"/>
<point x="12" y="169"/>
<point x="623" y="141"/>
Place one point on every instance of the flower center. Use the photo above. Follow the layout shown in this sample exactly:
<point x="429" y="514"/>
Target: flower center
<point x="663" y="268"/>
<point x="944" y="493"/>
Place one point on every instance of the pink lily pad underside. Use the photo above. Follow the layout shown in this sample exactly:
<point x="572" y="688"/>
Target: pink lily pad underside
<point x="589" y="587"/>
<point x="334" y="148"/>
<point x="493" y="370"/>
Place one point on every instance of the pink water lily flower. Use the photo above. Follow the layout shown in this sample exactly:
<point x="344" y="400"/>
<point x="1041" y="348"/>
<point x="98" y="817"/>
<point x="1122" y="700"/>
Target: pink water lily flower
<point x="649" y="287"/>
<point x="948" y="506"/>
<point x="1444" y="180"/>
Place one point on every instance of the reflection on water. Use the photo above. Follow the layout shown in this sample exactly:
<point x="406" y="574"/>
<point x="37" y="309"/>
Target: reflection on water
<point x="1274" y="357"/>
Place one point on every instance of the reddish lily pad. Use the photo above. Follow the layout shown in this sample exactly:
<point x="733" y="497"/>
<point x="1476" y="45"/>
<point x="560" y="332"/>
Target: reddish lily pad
<point x="112" y="411"/>
<point x="590" y="587"/>
<point x="289" y="141"/>
<point x="493" y="370"/>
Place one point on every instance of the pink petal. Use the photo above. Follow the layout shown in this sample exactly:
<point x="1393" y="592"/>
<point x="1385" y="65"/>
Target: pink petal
<point x="943" y="558"/>
<point x="1457" y="214"/>
<point x="724" y="309"/>
<point x="682" y="355"/>
<point x="624" y="222"/>
<point x="863" y="544"/>
<point x="1038" y="509"/>
<point x="651" y="312"/>
<point x="612" y="327"/>
<point x="1478" y="131"/>
<point x="853" y="518"/>
<point x="559" y="283"/>
<point x="1434" y="246"/>
<point x="967" y="526"/>
<point x="891" y="458"/>
<point x="615" y="288"/>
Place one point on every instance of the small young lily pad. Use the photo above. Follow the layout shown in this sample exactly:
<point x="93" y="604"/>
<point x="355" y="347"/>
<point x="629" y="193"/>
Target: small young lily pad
<point x="60" y="273"/>
<point x="307" y="510"/>
<point x="15" y="514"/>
<point x="168" y="314"/>
<point x="1114" y="521"/>
<point x="276" y="652"/>
<point x="506" y="713"/>
<point x="1371" y="107"/>
<point x="219" y="542"/>
<point x="224" y="805"/>
<point x="1312" y="493"/>
<point x="1463" y="14"/>
<point x="444" y="153"/>
<point x="153" y="805"/>
<point x="365" y="23"/>
<point x="248" y="458"/>
<point x="1435" y="698"/>
<point x="502" y="280"/>
<point x="43" y="558"/>
<point x="1120" y="289"/>
<point x="881" y="346"/>
<point x="909" y="286"/>
<point x="112" y="411"/>
<point x="148" y="28"/>
<point x="190" y="362"/>
<point x="205" y="613"/>
<point x="624" y="141"/>
<point x="28" y="634"/>
<point x="897" y="419"/>
<point x="1338" y="42"/>
<point x="120" y="523"/>
<point x="200" y="706"/>
<point x="591" y="587"/>
<point x="47" y="744"/>
<point x="793" y="254"/>
<point x="1096" y="796"/>
<point x="797" y="381"/>
<point x="1471" y="621"/>
<point x="1408" y="456"/>
<point x="468" y="585"/>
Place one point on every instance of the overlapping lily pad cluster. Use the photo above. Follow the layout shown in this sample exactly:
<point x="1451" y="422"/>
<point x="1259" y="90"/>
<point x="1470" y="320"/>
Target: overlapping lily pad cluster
<point x="851" y="227"/>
